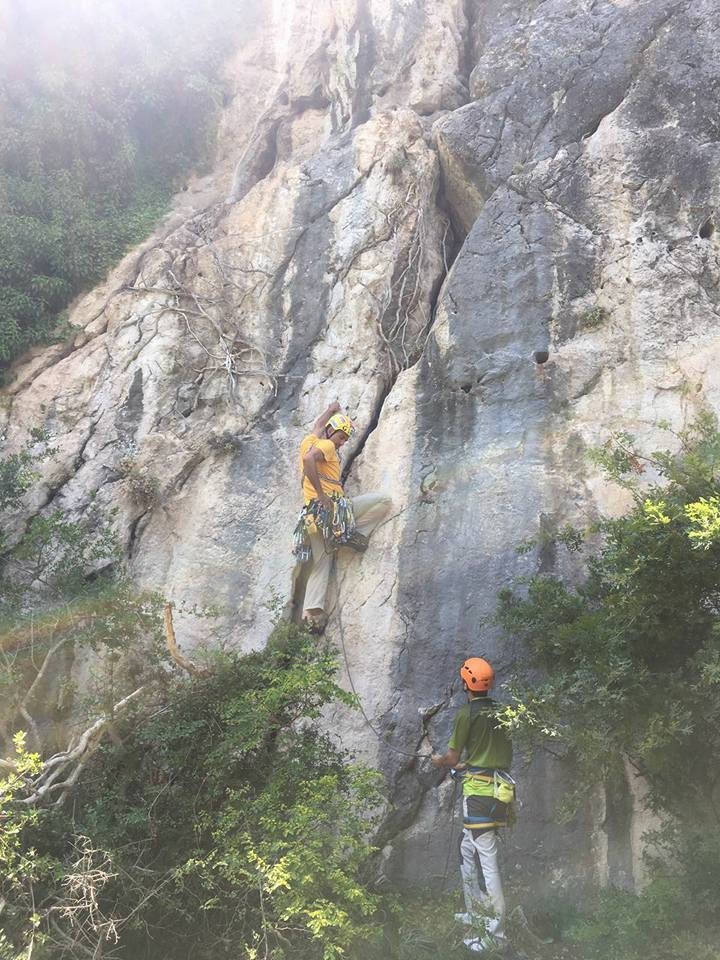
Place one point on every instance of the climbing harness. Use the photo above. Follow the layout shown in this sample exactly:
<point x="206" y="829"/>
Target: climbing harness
<point x="494" y="806"/>
<point x="500" y="785"/>
<point x="337" y="527"/>
<point x="485" y="813"/>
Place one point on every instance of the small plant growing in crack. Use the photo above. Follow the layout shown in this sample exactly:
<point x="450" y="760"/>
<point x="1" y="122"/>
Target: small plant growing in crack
<point x="143" y="486"/>
<point x="395" y="161"/>
<point x="593" y="318"/>
<point x="226" y="442"/>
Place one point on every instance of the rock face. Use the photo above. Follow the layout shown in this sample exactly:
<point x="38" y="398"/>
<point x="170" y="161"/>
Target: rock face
<point x="415" y="201"/>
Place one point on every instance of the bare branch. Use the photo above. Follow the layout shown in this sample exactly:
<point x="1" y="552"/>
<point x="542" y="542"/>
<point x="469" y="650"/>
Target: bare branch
<point x="174" y="650"/>
<point x="91" y="873"/>
<point x="46" y="781"/>
<point x="43" y="670"/>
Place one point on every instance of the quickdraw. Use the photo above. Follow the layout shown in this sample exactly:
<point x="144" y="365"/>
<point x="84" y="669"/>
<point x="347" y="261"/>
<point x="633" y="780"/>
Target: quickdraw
<point x="336" y="527"/>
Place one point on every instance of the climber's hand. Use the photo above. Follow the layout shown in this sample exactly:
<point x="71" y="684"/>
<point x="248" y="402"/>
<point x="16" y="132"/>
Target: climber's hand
<point x="327" y="504"/>
<point x="449" y="759"/>
<point x="334" y="407"/>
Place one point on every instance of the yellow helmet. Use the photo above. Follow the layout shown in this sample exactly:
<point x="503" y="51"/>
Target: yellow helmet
<point x="340" y="422"/>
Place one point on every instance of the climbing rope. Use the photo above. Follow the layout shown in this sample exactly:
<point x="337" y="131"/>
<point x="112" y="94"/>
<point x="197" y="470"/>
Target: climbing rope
<point x="368" y="721"/>
<point x="524" y="924"/>
<point x="518" y="910"/>
<point x="453" y="802"/>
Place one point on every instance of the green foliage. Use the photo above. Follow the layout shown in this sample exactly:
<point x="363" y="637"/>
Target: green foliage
<point x="663" y="922"/>
<point x="61" y="586"/>
<point x="417" y="925"/>
<point x="631" y="658"/>
<point x="626" y="664"/>
<point x="24" y="764"/>
<point x="17" y="472"/>
<point x="676" y="914"/>
<point x="54" y="556"/>
<point x="104" y="107"/>
<point x="231" y="826"/>
<point x="60" y="592"/>
<point x="218" y="821"/>
<point x="20" y="866"/>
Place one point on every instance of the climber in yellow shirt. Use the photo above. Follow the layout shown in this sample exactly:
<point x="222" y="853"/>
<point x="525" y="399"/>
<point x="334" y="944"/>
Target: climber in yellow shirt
<point x="319" y="460"/>
<point x="321" y="471"/>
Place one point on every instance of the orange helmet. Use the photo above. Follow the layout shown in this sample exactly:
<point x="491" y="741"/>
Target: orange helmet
<point x="477" y="674"/>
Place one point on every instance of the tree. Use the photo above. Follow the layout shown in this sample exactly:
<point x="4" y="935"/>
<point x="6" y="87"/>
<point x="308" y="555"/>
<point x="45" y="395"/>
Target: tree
<point x="105" y="106"/>
<point x="631" y="657"/>
<point x="626" y="665"/>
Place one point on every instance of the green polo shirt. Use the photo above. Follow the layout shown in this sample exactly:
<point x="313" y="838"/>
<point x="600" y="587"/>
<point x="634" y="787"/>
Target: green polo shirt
<point x="484" y="743"/>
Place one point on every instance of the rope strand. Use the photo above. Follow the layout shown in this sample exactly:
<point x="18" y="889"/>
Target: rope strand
<point x="402" y="753"/>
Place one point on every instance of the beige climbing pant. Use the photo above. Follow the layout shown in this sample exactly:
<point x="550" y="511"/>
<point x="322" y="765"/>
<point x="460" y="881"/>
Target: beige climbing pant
<point x="480" y="903"/>
<point x="369" y="510"/>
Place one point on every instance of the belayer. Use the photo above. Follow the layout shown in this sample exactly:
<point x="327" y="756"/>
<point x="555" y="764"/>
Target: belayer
<point x="329" y="519"/>
<point x="488" y="793"/>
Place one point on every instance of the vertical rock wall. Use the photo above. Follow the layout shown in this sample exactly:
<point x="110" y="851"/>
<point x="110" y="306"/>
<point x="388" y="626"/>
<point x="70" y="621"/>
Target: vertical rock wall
<point x="413" y="198"/>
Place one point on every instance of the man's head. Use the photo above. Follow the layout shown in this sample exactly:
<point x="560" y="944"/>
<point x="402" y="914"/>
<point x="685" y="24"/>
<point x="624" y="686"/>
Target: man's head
<point x="478" y="676"/>
<point x="339" y="429"/>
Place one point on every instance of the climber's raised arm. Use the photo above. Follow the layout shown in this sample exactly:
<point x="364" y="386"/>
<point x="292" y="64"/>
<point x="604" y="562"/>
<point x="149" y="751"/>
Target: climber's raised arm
<point x="318" y="429"/>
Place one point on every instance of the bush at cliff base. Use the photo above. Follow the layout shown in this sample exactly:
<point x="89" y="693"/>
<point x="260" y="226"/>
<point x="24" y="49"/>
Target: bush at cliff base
<point x="221" y="823"/>
<point x="629" y="661"/>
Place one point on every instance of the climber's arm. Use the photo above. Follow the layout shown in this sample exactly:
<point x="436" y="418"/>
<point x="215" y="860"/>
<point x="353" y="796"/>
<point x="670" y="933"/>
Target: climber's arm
<point x="310" y="466"/>
<point x="457" y="744"/>
<point x="318" y="429"/>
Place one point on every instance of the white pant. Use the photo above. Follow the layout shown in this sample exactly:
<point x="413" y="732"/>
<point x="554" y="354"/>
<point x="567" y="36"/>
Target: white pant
<point x="369" y="510"/>
<point x="477" y="903"/>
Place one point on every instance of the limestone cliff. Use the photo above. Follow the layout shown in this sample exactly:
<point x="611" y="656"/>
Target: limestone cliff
<point x="414" y="202"/>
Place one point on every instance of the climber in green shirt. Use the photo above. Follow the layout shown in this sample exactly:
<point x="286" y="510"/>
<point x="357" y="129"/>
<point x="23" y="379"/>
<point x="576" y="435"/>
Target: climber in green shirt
<point x="481" y="751"/>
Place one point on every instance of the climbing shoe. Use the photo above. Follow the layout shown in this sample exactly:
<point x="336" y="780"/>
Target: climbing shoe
<point x="357" y="541"/>
<point x="481" y="944"/>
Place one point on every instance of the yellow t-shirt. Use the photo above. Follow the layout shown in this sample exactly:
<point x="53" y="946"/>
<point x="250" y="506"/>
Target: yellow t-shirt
<point x="328" y="469"/>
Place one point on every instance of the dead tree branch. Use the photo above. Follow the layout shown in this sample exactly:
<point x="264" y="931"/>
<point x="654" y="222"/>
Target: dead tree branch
<point x="69" y="763"/>
<point x="182" y="661"/>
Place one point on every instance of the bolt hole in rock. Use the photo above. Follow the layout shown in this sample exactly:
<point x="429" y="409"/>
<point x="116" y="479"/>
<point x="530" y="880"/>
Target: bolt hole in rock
<point x="707" y="229"/>
<point x="541" y="356"/>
